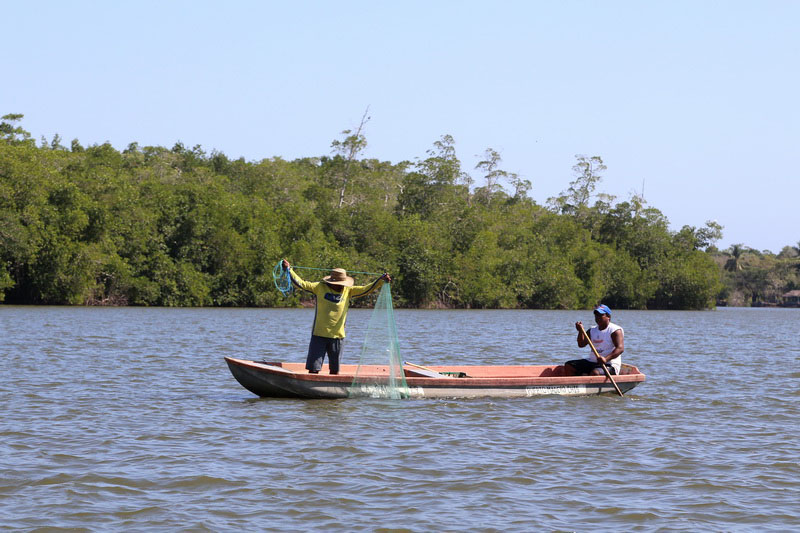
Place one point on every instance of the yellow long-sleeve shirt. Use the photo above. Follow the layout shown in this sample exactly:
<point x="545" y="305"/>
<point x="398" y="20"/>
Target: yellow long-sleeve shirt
<point x="331" y="307"/>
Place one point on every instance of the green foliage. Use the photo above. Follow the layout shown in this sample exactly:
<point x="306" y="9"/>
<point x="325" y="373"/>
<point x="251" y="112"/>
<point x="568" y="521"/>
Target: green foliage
<point x="753" y="278"/>
<point x="180" y="227"/>
<point x="688" y="281"/>
<point x="12" y="134"/>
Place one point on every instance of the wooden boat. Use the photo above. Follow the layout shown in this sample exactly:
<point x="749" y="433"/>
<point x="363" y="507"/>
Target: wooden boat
<point x="292" y="380"/>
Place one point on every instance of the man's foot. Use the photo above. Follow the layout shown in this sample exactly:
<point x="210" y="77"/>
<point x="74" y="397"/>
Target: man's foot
<point x="313" y="371"/>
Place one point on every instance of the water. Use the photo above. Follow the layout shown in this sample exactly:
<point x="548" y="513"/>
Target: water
<point x="128" y="419"/>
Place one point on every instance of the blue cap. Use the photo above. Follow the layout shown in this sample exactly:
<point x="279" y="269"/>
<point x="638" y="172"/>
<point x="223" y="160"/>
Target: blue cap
<point x="603" y="310"/>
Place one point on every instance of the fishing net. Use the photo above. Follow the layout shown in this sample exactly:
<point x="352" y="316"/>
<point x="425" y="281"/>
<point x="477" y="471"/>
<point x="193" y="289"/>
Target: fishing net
<point x="380" y="368"/>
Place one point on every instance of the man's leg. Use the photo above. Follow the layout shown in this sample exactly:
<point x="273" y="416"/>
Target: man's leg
<point x="580" y="367"/>
<point x="334" y="352"/>
<point x="598" y="370"/>
<point x="316" y="354"/>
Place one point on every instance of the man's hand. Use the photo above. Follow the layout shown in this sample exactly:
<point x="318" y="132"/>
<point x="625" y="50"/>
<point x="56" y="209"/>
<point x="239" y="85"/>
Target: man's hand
<point x="387" y="277"/>
<point x="583" y="337"/>
<point x="286" y="265"/>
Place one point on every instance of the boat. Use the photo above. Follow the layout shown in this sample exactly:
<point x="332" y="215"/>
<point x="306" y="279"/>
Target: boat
<point x="291" y="380"/>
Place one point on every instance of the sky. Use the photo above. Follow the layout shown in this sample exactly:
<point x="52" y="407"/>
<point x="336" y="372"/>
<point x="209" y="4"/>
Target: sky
<point x="694" y="104"/>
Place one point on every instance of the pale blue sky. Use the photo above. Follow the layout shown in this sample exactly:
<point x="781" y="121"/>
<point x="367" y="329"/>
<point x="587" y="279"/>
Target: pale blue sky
<point x="697" y="100"/>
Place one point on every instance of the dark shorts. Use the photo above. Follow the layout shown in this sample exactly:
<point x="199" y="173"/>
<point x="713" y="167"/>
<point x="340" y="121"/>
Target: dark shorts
<point x="584" y="366"/>
<point x="317" y="349"/>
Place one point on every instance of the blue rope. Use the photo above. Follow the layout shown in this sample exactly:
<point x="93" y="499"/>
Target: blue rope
<point x="283" y="280"/>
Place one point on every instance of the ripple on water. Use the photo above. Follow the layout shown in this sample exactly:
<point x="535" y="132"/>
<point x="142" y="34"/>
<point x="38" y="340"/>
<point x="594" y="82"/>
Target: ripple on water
<point x="128" y="419"/>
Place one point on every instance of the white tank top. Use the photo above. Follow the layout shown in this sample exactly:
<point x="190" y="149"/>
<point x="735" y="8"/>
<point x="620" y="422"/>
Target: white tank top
<point x="601" y="338"/>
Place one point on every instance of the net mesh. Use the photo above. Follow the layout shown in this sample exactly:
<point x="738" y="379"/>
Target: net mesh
<point x="380" y="367"/>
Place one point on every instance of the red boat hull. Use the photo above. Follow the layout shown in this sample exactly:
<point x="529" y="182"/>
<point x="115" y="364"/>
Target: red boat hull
<point x="291" y="380"/>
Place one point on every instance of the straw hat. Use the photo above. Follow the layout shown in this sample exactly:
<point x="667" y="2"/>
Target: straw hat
<point x="338" y="276"/>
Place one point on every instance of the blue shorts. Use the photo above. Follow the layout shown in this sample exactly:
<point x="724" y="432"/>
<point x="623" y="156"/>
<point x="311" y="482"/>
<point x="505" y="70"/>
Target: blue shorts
<point x="317" y="349"/>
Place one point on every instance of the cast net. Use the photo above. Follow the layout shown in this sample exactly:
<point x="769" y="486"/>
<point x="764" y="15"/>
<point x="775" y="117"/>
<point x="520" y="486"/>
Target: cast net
<point x="380" y="368"/>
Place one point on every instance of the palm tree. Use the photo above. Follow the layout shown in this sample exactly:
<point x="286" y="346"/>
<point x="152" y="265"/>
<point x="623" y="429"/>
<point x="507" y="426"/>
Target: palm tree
<point x="734" y="263"/>
<point x="797" y="249"/>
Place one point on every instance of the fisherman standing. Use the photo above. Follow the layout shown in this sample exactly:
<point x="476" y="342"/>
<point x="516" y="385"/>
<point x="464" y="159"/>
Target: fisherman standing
<point x="332" y="296"/>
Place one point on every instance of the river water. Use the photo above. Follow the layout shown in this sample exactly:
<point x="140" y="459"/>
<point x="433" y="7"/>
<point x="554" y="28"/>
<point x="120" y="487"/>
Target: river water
<point x="127" y="419"/>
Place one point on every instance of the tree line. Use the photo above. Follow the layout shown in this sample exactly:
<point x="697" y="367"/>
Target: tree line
<point x="158" y="226"/>
<point x="757" y="278"/>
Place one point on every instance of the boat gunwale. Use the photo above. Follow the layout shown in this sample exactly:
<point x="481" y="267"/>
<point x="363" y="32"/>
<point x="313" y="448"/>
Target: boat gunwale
<point x="442" y="382"/>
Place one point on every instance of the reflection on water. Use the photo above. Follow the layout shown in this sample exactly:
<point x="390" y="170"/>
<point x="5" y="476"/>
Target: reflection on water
<point x="128" y="419"/>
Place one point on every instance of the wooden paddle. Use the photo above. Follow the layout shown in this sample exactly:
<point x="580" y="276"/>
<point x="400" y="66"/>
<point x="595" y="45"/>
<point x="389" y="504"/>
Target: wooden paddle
<point x="425" y="371"/>
<point x="597" y="355"/>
